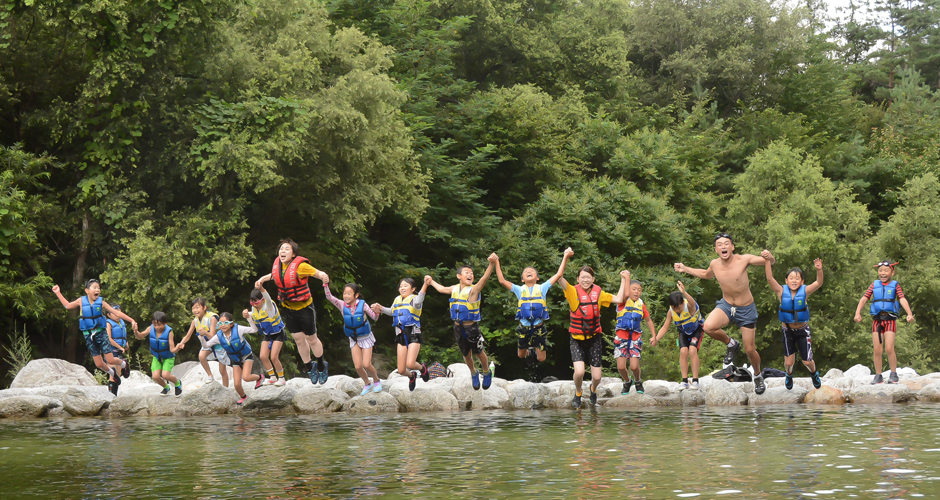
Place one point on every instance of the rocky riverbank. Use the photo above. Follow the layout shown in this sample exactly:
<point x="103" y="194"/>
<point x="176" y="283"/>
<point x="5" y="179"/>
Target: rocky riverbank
<point x="56" y="388"/>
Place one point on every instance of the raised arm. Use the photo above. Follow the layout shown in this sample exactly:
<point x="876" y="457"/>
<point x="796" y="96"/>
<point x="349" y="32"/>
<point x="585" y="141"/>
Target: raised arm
<point x="329" y="296"/>
<point x="757" y="260"/>
<point x="120" y="314"/>
<point x="440" y="288"/>
<point x="561" y="268"/>
<point x="65" y="303"/>
<point x="624" y="279"/>
<point x="269" y="306"/>
<point x="816" y="285"/>
<point x="703" y="274"/>
<point x="693" y="305"/>
<point x="499" y="276"/>
<point x="562" y="283"/>
<point x="768" y="259"/>
<point x="251" y="321"/>
<point x="475" y="291"/>
<point x="260" y="283"/>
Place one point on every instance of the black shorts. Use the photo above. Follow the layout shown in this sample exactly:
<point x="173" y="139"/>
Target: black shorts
<point x="303" y="320"/>
<point x="277" y="337"/>
<point x="469" y="338"/>
<point x="408" y="335"/>
<point x="239" y="362"/>
<point x="694" y="340"/>
<point x="589" y="350"/>
<point x="798" y="340"/>
<point x="532" y="336"/>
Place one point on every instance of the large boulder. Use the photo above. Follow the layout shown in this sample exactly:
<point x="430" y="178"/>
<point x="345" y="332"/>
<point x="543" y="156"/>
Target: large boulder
<point x="930" y="393"/>
<point x="26" y="406"/>
<point x="561" y="403"/>
<point x="442" y="383"/>
<point x="632" y="400"/>
<point x="463" y="389"/>
<point x="373" y="402"/>
<point x="51" y="371"/>
<point x="833" y="373"/>
<point x="494" y="398"/>
<point x="881" y="393"/>
<point x="459" y="370"/>
<point x="351" y="386"/>
<point x="804" y="382"/>
<point x="658" y="388"/>
<point x="196" y="377"/>
<point x="270" y="399"/>
<point x="692" y="397"/>
<point x="825" y="395"/>
<point x="313" y="399"/>
<point x="526" y="395"/>
<point x="671" y="399"/>
<point x="140" y="384"/>
<point x="81" y="403"/>
<point x="917" y="383"/>
<point x="428" y="399"/>
<point x="566" y="387"/>
<point x="210" y="399"/>
<point x="858" y="371"/>
<point x="180" y="370"/>
<point x="724" y="393"/>
<point x="778" y="396"/>
<point x="844" y="384"/>
<point x="143" y="405"/>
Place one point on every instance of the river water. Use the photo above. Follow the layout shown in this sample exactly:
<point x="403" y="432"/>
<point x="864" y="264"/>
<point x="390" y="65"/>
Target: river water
<point x="859" y="451"/>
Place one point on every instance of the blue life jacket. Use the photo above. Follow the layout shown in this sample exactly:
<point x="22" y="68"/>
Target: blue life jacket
<point x="119" y="332"/>
<point x="793" y="308"/>
<point x="91" y="317"/>
<point x="532" y="306"/>
<point x="356" y="324"/>
<point x="630" y="316"/>
<point x="404" y="313"/>
<point x="237" y="347"/>
<point x="884" y="298"/>
<point x="160" y="346"/>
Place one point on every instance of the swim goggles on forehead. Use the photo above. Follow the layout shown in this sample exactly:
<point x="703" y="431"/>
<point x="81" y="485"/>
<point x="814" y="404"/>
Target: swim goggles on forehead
<point x="225" y="323"/>
<point x="724" y="235"/>
<point x="885" y="263"/>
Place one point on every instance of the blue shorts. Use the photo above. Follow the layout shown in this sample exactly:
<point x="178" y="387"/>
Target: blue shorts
<point x="743" y="316"/>
<point x="97" y="342"/>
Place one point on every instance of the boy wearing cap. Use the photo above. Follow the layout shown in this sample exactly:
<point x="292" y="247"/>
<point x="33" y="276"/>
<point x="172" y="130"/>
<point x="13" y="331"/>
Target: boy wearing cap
<point x="886" y="294"/>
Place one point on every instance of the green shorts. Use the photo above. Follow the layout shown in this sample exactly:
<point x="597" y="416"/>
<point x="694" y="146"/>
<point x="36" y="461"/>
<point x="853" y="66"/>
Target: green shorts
<point x="165" y="365"/>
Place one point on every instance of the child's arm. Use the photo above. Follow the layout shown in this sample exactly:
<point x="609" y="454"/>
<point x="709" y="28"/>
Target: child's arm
<point x="693" y="305"/>
<point x="269" y="306"/>
<point x="704" y="274"/>
<point x="107" y="307"/>
<point x="329" y="296"/>
<point x="437" y="286"/>
<point x="424" y="287"/>
<point x="757" y="260"/>
<point x="663" y="329"/>
<point x="621" y="295"/>
<point x="475" y="291"/>
<point x="907" y="308"/>
<point x="858" y="310"/>
<point x="769" y="260"/>
<point x="174" y="347"/>
<point x="189" y="333"/>
<point x="561" y="269"/>
<point x="260" y="283"/>
<point x="499" y="276"/>
<point x="379" y="308"/>
<point x="111" y="339"/>
<point x="142" y="335"/>
<point x="650" y="325"/>
<point x="816" y="285"/>
<point x="251" y="321"/>
<point x="65" y="303"/>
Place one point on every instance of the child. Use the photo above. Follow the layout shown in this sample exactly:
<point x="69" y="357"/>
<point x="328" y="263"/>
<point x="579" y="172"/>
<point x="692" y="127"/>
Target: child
<point x="885" y="294"/>
<point x="266" y="315"/>
<point x="356" y="326"/>
<point x="406" y="318"/>
<point x="688" y="319"/>
<point x="465" y="313"/>
<point x="117" y="333"/>
<point x="794" y="315"/>
<point x="204" y="324"/>
<point x="232" y="338"/>
<point x="532" y="311"/>
<point x="164" y="350"/>
<point x="93" y="326"/>
<point x="628" y="339"/>
<point x="587" y="343"/>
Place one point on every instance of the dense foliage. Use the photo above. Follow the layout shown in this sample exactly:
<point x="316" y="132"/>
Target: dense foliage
<point x="166" y="147"/>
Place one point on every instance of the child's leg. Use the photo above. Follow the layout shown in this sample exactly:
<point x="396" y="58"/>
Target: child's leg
<point x="402" y="352"/>
<point x="412" y="360"/>
<point x="578" y="376"/>
<point x="357" y="361"/>
<point x="810" y="365"/>
<point x="540" y="354"/>
<point x="876" y="339"/>
<point x="484" y="361"/>
<point x="237" y="375"/>
<point x="316" y="347"/>
<point x="635" y="368"/>
<point x="788" y="362"/>
<point x="693" y="353"/>
<point x="684" y="362"/>
<point x="247" y="376"/>
<point x="265" y="355"/>
<point x="302" y="347"/>
<point x="276" y="357"/>
<point x="468" y="358"/>
<point x="100" y="363"/>
<point x="522" y="352"/>
<point x="168" y="376"/>
<point x="114" y="362"/>
<point x="367" y="364"/>
<point x="622" y="368"/>
<point x="890" y="337"/>
<point x="204" y="361"/>
<point x="595" y="377"/>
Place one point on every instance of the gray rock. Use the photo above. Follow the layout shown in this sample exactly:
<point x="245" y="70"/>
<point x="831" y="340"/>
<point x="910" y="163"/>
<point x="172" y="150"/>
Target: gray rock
<point x="143" y="405"/>
<point x="428" y="399"/>
<point x="804" y="382"/>
<point x="51" y="371"/>
<point x="930" y="392"/>
<point x="671" y="399"/>
<point x="632" y="400"/>
<point x="270" y="399"/>
<point x="692" y="397"/>
<point x="778" y="396"/>
<point x="526" y="395"/>
<point x="657" y="388"/>
<point x="374" y="402"/>
<point x="459" y="369"/>
<point x="351" y="386"/>
<point x="210" y="399"/>
<point x="319" y="400"/>
<point x="844" y="384"/>
<point x="858" y="371"/>
<point x="57" y="412"/>
<point x="560" y="403"/>
<point x="78" y="403"/>
<point x="442" y="383"/>
<point x="724" y="393"/>
<point x="833" y="373"/>
<point x="566" y="387"/>
<point x="494" y="398"/>
<point x="463" y="389"/>
<point x="497" y="382"/>
<point x="197" y="377"/>
<point x="140" y="384"/>
<point x="27" y="406"/>
<point x="882" y="393"/>
<point x="180" y="370"/>
<point x="609" y="390"/>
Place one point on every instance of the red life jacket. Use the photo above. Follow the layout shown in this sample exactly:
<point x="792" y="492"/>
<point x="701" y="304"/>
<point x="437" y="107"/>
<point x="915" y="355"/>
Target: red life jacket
<point x="586" y="319"/>
<point x="290" y="287"/>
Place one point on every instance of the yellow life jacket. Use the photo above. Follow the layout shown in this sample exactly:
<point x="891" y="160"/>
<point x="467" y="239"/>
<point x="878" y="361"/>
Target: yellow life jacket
<point x="269" y="325"/>
<point x="532" y="306"/>
<point x="687" y="323"/>
<point x="630" y="315"/>
<point x="461" y="309"/>
<point x="206" y="321"/>
<point x="404" y="313"/>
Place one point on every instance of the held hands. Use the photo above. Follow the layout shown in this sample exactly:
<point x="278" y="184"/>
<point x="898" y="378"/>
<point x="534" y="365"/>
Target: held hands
<point x="768" y="256"/>
<point x="259" y="283"/>
<point x="428" y="280"/>
<point x="818" y="265"/>
<point x="376" y="308"/>
<point x="680" y="286"/>
<point x="625" y="275"/>
<point x="325" y="278"/>
<point x="653" y="341"/>
<point x="569" y="253"/>
<point x="493" y="258"/>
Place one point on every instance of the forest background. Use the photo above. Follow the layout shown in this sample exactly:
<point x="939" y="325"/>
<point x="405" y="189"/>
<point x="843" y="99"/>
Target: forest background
<point x="165" y="147"/>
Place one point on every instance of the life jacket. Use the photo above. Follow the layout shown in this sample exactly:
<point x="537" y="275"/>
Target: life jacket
<point x="793" y="308"/>
<point x="160" y="346"/>
<point x="884" y="298"/>
<point x="237" y="347"/>
<point x="119" y="332"/>
<point x="404" y="313"/>
<point x="532" y="306"/>
<point x="630" y="315"/>
<point x="290" y="287"/>
<point x="687" y="323"/>
<point x="206" y="321"/>
<point x="461" y="309"/>
<point x="269" y="325"/>
<point x="91" y="317"/>
<point x="586" y="319"/>
<point x="356" y="324"/>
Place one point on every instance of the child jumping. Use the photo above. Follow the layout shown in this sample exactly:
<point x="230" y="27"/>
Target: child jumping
<point x="465" y="313"/>
<point x="231" y="337"/>
<point x="93" y="326"/>
<point x="204" y="324"/>
<point x="628" y="339"/>
<point x="356" y="315"/>
<point x="885" y="293"/>
<point x="532" y="310"/>
<point x="268" y="318"/>
<point x="687" y="317"/>
<point x="406" y="318"/>
<point x="117" y="333"/>
<point x="163" y="349"/>
<point x="794" y="316"/>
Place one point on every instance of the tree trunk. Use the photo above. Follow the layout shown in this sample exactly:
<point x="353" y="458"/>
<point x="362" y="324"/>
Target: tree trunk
<point x="73" y="335"/>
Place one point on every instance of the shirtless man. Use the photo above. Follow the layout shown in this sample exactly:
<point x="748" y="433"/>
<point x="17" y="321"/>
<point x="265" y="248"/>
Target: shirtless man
<point x="736" y="304"/>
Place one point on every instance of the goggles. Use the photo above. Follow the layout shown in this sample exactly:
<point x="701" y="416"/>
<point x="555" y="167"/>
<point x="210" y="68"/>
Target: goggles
<point x="724" y="235"/>
<point x="885" y="263"/>
<point x="225" y="323"/>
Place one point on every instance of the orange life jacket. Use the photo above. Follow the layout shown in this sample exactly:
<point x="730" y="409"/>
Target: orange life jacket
<point x="290" y="287"/>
